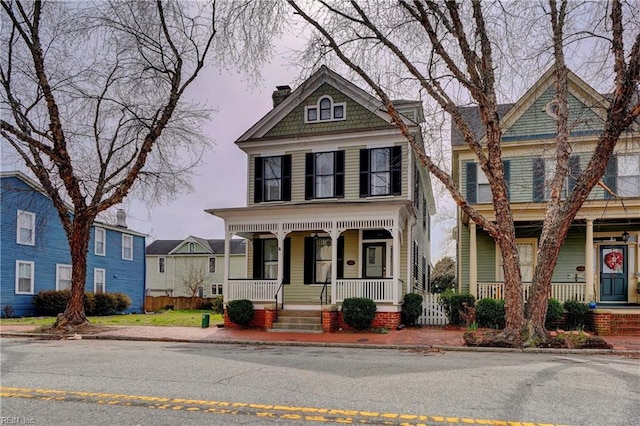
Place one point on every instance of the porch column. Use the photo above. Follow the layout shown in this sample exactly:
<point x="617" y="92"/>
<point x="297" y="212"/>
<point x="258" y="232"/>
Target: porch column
<point x="588" y="263"/>
<point x="396" y="266"/>
<point x="280" y="235"/>
<point x="227" y="262"/>
<point x="473" y="260"/>
<point x="335" y="234"/>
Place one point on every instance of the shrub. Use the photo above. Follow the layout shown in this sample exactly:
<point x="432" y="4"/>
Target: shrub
<point x="576" y="314"/>
<point x="453" y="303"/>
<point x="554" y="312"/>
<point x="7" y="311"/>
<point x="411" y="308"/>
<point x="490" y="313"/>
<point x="358" y="312"/>
<point x="89" y="303"/>
<point x="122" y="302"/>
<point x="217" y="306"/>
<point x="240" y="311"/>
<point x="105" y="304"/>
<point x="442" y="283"/>
<point x="51" y="303"/>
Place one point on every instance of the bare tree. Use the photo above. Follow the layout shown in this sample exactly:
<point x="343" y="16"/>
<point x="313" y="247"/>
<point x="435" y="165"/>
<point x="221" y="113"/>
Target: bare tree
<point x="193" y="278"/>
<point x="456" y="53"/>
<point x="94" y="99"/>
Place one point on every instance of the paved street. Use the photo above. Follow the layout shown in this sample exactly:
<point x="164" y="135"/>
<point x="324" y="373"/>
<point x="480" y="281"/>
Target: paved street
<point x="146" y="383"/>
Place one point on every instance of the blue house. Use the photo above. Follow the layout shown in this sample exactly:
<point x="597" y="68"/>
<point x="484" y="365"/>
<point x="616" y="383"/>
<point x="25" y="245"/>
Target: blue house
<point x="34" y="252"/>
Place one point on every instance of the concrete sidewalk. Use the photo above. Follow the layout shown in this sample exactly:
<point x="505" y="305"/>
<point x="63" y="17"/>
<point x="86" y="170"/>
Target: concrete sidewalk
<point x="414" y="338"/>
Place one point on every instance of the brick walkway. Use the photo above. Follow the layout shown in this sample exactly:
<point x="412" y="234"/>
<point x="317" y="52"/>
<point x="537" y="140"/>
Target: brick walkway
<point x="410" y="337"/>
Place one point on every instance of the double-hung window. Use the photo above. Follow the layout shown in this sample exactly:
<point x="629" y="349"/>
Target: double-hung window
<point x="272" y="181"/>
<point x="63" y="277"/>
<point x="216" y="290"/>
<point x="212" y="265"/>
<point x="628" y="175"/>
<point x="99" y="246"/>
<point x="161" y="264"/>
<point x="544" y="170"/>
<point x="265" y="259"/>
<point x="526" y="254"/>
<point x="127" y="247"/>
<point x="99" y="278"/>
<point x="317" y="259"/>
<point x="324" y="175"/>
<point x="478" y="188"/>
<point x="24" y="277"/>
<point x="26" y="228"/>
<point x="381" y="171"/>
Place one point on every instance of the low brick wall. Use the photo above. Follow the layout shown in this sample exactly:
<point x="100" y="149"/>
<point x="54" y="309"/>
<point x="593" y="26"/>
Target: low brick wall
<point x="258" y="321"/>
<point x="390" y="320"/>
<point x="608" y="323"/>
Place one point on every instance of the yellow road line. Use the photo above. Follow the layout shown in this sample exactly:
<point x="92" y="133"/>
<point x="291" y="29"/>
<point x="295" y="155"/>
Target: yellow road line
<point x="283" y="412"/>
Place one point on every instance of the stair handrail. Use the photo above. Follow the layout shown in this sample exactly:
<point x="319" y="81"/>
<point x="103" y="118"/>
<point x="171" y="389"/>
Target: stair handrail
<point x="281" y="286"/>
<point x="324" y="292"/>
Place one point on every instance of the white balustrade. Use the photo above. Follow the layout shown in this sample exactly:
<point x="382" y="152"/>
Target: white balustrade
<point x="559" y="291"/>
<point x="254" y="290"/>
<point x="379" y="290"/>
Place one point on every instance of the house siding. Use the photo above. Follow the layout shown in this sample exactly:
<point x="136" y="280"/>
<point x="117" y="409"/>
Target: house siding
<point x="357" y="117"/>
<point x="52" y="248"/>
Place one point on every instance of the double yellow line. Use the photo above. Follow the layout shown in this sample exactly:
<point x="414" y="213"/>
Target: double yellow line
<point x="283" y="412"/>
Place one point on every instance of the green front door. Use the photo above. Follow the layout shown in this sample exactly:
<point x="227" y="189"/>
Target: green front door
<point x="613" y="273"/>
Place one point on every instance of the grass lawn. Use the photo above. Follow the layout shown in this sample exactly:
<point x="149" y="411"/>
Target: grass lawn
<point x="183" y="318"/>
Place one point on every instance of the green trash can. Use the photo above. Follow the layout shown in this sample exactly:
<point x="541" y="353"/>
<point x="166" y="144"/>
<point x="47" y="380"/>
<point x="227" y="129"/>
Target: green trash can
<point x="205" y="320"/>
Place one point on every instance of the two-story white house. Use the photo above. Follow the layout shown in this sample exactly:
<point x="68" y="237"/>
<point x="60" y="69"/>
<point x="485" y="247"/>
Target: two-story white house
<point x="337" y="206"/>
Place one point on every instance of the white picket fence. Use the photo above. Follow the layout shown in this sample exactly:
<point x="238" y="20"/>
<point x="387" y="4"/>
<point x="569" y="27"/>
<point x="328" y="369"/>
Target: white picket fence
<point x="432" y="312"/>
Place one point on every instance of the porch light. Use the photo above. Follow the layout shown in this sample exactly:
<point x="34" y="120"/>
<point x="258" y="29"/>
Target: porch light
<point x="625" y="236"/>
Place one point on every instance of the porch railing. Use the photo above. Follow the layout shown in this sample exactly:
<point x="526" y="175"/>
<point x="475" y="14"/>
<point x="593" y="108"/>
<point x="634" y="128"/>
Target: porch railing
<point x="379" y="290"/>
<point x="254" y="290"/>
<point x="560" y="291"/>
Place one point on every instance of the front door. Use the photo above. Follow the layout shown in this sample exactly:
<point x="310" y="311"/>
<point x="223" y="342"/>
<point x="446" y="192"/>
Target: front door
<point x="374" y="260"/>
<point x="613" y="273"/>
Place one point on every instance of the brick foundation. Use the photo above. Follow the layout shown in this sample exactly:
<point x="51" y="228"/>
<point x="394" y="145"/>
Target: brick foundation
<point x="259" y="320"/>
<point x="389" y="320"/>
<point x="329" y="321"/>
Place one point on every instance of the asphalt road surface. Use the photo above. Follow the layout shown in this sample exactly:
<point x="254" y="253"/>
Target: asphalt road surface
<point x="89" y="382"/>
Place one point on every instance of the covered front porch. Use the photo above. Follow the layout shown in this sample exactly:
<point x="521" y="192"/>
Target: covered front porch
<point x="313" y="256"/>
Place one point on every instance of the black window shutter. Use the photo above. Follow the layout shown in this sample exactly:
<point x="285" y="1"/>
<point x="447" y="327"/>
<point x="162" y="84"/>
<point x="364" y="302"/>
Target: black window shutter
<point x="286" y="177"/>
<point x="339" y="174"/>
<point x="396" y="170"/>
<point x="257" y="259"/>
<point x="309" y="260"/>
<point x="340" y="257"/>
<point x="309" y="168"/>
<point x="286" y="278"/>
<point x="472" y="183"/>
<point x="610" y="178"/>
<point x="506" y="165"/>
<point x="574" y="171"/>
<point x="257" y="180"/>
<point x="364" y="173"/>
<point x="538" y="179"/>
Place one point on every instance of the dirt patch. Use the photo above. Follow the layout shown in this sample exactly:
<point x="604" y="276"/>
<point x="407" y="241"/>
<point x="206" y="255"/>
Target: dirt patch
<point x="490" y="338"/>
<point x="67" y="332"/>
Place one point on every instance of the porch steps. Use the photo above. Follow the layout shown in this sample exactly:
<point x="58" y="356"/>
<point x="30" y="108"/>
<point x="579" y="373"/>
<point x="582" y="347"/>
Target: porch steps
<point x="298" y="322"/>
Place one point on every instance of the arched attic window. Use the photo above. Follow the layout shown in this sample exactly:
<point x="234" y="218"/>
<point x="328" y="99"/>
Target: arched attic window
<point x="325" y="110"/>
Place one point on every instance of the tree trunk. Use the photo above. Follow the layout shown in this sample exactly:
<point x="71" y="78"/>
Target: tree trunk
<point x="74" y="314"/>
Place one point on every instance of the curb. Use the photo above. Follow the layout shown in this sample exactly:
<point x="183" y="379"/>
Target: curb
<point x="443" y="348"/>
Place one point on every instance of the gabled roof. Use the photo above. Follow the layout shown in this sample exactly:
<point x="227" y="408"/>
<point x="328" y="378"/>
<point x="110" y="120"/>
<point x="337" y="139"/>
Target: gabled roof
<point x="509" y="113"/>
<point x="166" y="247"/>
<point x="38" y="188"/>
<point x="320" y="77"/>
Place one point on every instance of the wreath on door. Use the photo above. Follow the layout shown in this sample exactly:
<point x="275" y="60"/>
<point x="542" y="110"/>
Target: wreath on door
<point x="613" y="260"/>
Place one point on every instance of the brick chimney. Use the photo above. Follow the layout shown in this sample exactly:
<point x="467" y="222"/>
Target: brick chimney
<point x="280" y="94"/>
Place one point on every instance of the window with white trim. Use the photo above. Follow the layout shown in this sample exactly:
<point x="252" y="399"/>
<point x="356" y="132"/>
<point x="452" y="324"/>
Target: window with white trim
<point x="63" y="277"/>
<point x="24" y="277"/>
<point x="549" y="172"/>
<point x="161" y="265"/>
<point x="99" y="245"/>
<point x="629" y="175"/>
<point x="216" y="290"/>
<point x="325" y="110"/>
<point x="26" y="228"/>
<point x="99" y="280"/>
<point x="127" y="247"/>
<point x="526" y="253"/>
<point x="212" y="265"/>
